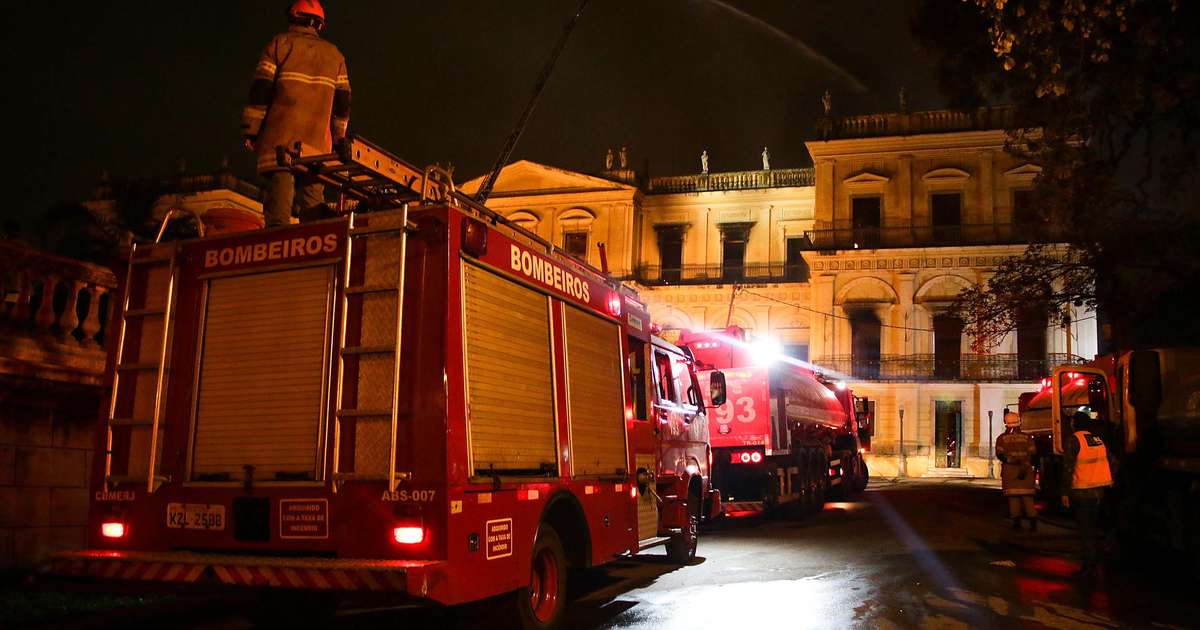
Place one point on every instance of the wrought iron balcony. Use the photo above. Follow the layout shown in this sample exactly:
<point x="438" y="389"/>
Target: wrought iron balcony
<point x="929" y="367"/>
<point x="655" y="275"/>
<point x="733" y="180"/>
<point x="932" y="236"/>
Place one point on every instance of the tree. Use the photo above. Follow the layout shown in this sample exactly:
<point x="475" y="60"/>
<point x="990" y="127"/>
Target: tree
<point x="1105" y="101"/>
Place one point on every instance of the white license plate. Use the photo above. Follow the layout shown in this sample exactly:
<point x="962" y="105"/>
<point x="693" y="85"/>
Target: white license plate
<point x="195" y="516"/>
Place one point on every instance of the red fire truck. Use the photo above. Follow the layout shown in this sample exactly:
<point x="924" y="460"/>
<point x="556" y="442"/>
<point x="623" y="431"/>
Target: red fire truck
<point x="424" y="400"/>
<point x="786" y="435"/>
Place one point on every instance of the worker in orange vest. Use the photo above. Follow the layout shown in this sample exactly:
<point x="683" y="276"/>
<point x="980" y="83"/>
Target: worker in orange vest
<point x="300" y="95"/>
<point x="1015" y="450"/>
<point x="1086" y="465"/>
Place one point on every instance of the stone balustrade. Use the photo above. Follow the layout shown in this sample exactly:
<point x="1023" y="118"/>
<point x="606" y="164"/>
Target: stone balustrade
<point x="54" y="315"/>
<point x="903" y="124"/>
<point x="732" y="180"/>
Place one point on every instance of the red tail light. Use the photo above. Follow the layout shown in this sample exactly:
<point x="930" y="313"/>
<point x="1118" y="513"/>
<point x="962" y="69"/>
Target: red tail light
<point x="408" y="534"/>
<point x="112" y="529"/>
<point x="745" y="457"/>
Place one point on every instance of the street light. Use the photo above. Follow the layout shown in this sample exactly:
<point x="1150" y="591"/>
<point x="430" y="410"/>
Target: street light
<point x="991" y="447"/>
<point x="903" y="459"/>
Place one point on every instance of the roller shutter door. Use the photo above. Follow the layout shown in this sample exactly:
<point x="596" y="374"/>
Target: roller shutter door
<point x="595" y="394"/>
<point x="261" y="375"/>
<point x="510" y="392"/>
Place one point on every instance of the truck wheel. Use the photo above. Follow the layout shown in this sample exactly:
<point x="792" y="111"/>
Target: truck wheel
<point x="864" y="475"/>
<point x="681" y="549"/>
<point x="540" y="605"/>
<point x="821" y="470"/>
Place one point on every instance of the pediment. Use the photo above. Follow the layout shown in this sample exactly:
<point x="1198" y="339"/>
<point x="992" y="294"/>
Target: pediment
<point x="532" y="177"/>
<point x="1024" y="171"/>
<point x="865" y="178"/>
<point x="938" y="175"/>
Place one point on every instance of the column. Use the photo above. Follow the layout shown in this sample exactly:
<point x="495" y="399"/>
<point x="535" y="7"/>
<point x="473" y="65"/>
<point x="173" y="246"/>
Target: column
<point x="825" y="211"/>
<point x="987" y="195"/>
<point x="904" y="200"/>
<point x="820" y="325"/>
<point x="904" y="291"/>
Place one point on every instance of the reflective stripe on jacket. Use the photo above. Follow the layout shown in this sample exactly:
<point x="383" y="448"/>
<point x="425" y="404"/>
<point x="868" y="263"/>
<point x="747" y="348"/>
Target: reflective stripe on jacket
<point x="300" y="93"/>
<point x="1091" y="464"/>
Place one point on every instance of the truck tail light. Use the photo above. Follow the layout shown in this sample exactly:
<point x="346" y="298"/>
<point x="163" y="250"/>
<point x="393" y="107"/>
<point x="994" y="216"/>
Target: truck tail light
<point x="112" y="529"/>
<point x="408" y="534"/>
<point x="746" y="457"/>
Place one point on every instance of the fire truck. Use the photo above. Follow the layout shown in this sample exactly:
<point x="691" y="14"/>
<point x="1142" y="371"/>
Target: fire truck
<point x="422" y="401"/>
<point x="786" y="435"/>
<point x="1147" y="404"/>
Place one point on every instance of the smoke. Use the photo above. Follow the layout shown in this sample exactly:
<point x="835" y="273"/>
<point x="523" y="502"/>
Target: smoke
<point x="793" y="43"/>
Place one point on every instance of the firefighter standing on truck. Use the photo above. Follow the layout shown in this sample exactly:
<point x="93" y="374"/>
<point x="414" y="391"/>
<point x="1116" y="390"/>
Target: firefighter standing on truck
<point x="300" y="94"/>
<point x="1016" y="450"/>
<point x="1086" y="465"/>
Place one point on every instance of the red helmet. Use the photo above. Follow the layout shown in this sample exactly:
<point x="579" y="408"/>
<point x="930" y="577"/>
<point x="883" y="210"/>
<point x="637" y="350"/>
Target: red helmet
<point x="307" y="8"/>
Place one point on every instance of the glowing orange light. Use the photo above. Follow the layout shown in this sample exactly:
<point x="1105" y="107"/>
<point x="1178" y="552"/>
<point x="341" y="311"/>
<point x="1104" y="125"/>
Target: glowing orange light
<point x="112" y="530"/>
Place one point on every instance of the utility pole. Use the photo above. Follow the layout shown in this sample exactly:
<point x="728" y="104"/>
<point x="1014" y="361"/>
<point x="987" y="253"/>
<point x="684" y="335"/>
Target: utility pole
<point x="903" y="460"/>
<point x="991" y="447"/>
<point x="732" y="297"/>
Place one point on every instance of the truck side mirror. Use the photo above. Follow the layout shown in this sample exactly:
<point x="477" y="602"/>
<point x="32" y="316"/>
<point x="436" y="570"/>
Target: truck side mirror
<point x="1145" y="381"/>
<point x="716" y="388"/>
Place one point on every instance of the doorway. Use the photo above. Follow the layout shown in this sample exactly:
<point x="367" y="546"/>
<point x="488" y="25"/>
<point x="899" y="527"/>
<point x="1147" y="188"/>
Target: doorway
<point x="947" y="433"/>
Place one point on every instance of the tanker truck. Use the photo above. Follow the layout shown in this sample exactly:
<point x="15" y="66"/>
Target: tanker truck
<point x="786" y="436"/>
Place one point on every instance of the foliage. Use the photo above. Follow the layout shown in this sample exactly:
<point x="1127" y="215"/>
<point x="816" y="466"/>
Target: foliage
<point x="1105" y="99"/>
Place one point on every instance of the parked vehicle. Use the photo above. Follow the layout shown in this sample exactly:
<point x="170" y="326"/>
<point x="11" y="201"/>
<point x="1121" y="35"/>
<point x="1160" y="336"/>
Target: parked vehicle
<point x="424" y="401"/>
<point x="786" y="435"/>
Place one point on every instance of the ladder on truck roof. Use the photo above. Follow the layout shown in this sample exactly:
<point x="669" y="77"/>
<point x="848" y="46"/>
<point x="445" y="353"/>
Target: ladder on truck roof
<point x="364" y="172"/>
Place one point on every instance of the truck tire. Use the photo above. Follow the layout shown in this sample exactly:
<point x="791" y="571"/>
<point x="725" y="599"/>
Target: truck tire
<point x="541" y="604"/>
<point x="681" y="549"/>
<point x="864" y="475"/>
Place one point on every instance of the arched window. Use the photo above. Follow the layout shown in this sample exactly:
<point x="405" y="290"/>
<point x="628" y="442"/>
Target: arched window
<point x="575" y="225"/>
<point x="526" y="219"/>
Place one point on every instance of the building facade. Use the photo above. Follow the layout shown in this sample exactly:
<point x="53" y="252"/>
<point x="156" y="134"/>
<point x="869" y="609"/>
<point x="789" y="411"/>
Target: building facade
<point x="851" y="265"/>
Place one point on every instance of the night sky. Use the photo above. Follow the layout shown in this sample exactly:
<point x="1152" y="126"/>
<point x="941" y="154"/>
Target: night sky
<point x="135" y="87"/>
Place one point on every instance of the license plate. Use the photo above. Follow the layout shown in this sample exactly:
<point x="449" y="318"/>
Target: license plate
<point x="195" y="516"/>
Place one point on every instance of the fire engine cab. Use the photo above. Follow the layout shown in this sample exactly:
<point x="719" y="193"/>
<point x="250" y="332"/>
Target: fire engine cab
<point x="423" y="400"/>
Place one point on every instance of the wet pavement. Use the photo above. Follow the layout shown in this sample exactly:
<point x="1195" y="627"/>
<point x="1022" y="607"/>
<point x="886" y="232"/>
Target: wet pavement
<point x="907" y="555"/>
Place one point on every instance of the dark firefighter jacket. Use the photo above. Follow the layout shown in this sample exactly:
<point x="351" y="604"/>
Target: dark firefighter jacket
<point x="301" y="93"/>
<point x="1016" y="451"/>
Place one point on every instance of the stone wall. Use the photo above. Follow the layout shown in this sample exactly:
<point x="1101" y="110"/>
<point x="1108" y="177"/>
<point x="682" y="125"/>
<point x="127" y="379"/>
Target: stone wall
<point x="54" y="329"/>
<point x="47" y="439"/>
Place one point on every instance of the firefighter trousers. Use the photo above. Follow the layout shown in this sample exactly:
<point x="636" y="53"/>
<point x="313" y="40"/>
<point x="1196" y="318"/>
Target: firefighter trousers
<point x="1021" y="506"/>
<point x="280" y="197"/>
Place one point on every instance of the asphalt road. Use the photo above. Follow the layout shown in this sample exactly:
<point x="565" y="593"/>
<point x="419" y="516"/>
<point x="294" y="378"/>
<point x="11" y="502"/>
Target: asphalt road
<point x="908" y="555"/>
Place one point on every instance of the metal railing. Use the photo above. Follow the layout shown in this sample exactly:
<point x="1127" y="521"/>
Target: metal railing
<point x="733" y="180"/>
<point x="931" y="235"/>
<point x="654" y="275"/>
<point x="929" y="367"/>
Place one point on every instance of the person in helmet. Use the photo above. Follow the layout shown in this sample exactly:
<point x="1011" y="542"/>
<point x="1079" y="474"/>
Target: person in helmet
<point x="1086" y="464"/>
<point x="300" y="95"/>
<point x="1016" y="450"/>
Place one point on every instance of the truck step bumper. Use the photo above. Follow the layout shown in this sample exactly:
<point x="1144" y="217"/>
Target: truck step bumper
<point x="246" y="571"/>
